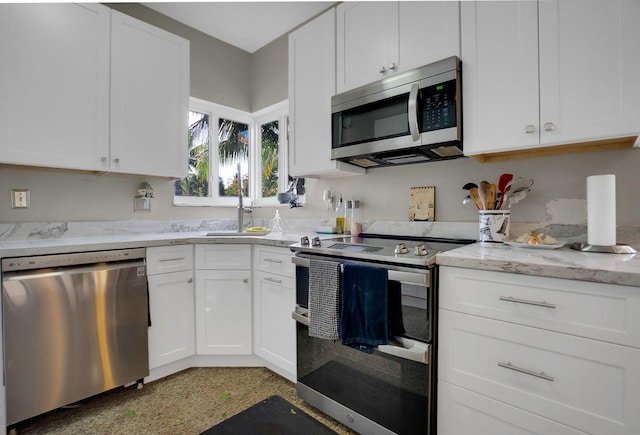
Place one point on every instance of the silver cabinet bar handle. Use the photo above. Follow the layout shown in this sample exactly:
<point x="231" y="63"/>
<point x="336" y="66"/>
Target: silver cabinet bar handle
<point x="162" y="260"/>
<point x="541" y="375"/>
<point x="277" y="281"/>
<point x="527" y="302"/>
<point x="271" y="260"/>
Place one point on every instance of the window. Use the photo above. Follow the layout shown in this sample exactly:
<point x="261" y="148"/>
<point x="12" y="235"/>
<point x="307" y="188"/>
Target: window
<point x="226" y="144"/>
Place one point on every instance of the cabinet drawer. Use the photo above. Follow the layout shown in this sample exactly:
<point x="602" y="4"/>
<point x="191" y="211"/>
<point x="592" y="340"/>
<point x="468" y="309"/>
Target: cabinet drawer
<point x="462" y="412"/>
<point x="601" y="311"/>
<point x="224" y="257"/>
<point x="164" y="259"/>
<point x="586" y="384"/>
<point x="274" y="260"/>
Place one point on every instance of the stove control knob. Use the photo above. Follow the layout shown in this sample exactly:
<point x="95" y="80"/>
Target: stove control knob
<point x="315" y="241"/>
<point x="420" y="250"/>
<point x="401" y="248"/>
<point x="304" y="241"/>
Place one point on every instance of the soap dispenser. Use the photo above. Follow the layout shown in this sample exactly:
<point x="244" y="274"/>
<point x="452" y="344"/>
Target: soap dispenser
<point x="276" y="223"/>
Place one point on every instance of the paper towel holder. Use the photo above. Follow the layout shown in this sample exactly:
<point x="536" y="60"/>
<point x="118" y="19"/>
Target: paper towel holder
<point x="615" y="249"/>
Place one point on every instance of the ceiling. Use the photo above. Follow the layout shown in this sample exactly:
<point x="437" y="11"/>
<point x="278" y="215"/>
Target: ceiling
<point x="246" y="25"/>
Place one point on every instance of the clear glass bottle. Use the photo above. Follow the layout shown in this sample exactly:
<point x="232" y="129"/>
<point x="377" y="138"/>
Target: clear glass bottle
<point x="276" y="223"/>
<point x="356" y="218"/>
<point x="347" y="217"/>
<point x="340" y="210"/>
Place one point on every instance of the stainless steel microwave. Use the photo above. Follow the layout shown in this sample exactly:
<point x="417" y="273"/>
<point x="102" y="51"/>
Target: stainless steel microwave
<point x="412" y="117"/>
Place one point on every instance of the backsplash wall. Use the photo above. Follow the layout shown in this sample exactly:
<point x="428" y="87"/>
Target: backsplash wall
<point x="558" y="195"/>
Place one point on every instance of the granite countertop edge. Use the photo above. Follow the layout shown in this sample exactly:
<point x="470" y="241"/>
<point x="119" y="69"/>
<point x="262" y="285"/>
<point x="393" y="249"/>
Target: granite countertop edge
<point x="622" y="269"/>
<point x="567" y="263"/>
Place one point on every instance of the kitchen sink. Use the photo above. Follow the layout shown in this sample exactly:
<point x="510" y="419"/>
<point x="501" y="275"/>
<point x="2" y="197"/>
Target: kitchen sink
<point x="234" y="233"/>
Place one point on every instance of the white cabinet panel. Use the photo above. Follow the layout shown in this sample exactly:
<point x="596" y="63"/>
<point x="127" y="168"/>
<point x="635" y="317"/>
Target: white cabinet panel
<point x="462" y="412"/>
<point x="274" y="260"/>
<point x="575" y="381"/>
<point x="169" y="259"/>
<point x="223" y="318"/>
<point x="171" y="307"/>
<point x="149" y="99"/>
<point x="312" y="80"/>
<point x="594" y="310"/>
<point x="275" y="331"/>
<point x="224" y="257"/>
<point x="54" y="85"/>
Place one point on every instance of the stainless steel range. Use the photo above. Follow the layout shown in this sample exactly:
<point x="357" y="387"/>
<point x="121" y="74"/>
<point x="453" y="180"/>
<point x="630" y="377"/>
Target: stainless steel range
<point x="393" y="389"/>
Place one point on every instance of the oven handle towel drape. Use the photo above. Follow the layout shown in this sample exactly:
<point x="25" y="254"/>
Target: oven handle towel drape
<point x="324" y="299"/>
<point x="394" y="301"/>
<point x="364" y="321"/>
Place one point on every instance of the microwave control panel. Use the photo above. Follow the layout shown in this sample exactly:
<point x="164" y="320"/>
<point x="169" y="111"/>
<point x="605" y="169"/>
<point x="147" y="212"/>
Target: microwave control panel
<point x="438" y="104"/>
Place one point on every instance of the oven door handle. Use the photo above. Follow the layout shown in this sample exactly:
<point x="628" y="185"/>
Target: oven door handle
<point x="301" y="315"/>
<point x="408" y="349"/>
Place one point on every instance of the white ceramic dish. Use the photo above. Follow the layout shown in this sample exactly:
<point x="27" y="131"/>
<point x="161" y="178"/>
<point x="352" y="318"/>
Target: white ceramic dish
<point x="528" y="246"/>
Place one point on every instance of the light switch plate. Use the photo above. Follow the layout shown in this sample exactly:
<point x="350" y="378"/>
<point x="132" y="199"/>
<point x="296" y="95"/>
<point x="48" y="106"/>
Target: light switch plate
<point x="20" y="198"/>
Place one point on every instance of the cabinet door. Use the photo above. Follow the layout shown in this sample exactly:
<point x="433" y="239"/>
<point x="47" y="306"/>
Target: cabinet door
<point x="223" y="257"/>
<point x="311" y="85"/>
<point x="275" y="330"/>
<point x="462" y="412"/>
<point x="54" y="85"/>
<point x="575" y="381"/>
<point x="589" y="62"/>
<point x="149" y="99"/>
<point x="223" y="317"/>
<point x="367" y="42"/>
<point x="500" y="75"/>
<point x="428" y="32"/>
<point x="171" y="307"/>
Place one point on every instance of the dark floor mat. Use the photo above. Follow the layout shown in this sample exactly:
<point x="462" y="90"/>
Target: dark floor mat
<point x="272" y="416"/>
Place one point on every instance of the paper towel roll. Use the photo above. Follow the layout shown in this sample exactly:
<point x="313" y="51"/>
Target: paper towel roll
<point x="601" y="210"/>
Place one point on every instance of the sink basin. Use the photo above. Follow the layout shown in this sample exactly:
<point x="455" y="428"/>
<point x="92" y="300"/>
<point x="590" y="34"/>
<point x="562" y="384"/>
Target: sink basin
<point x="234" y="233"/>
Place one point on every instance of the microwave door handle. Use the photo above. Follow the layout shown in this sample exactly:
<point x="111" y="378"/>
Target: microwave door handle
<point x="413" y="112"/>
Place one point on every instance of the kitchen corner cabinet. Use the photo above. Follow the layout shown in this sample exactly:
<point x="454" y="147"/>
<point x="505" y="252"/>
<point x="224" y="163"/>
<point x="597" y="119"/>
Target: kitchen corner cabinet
<point x="54" y="85"/>
<point x="274" y="298"/>
<point x="378" y="39"/>
<point x="87" y="88"/>
<point x="540" y="74"/>
<point x="529" y="354"/>
<point x="223" y="299"/>
<point x="311" y="84"/>
<point x="171" y="304"/>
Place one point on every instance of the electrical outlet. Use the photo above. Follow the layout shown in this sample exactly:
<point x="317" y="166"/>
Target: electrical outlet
<point x="20" y="198"/>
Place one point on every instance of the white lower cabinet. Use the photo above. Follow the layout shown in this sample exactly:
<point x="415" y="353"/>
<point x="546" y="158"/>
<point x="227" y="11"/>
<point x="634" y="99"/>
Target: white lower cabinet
<point x="274" y="299"/>
<point x="171" y="304"/>
<point x="524" y="354"/>
<point x="223" y="299"/>
<point x="461" y="412"/>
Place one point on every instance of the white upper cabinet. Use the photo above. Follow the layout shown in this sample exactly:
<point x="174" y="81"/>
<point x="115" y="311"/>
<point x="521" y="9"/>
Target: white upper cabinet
<point x="83" y="87"/>
<point x="311" y="85"/>
<point x="546" y="73"/>
<point x="54" y="85"/>
<point x="379" y="39"/>
<point x="149" y="99"/>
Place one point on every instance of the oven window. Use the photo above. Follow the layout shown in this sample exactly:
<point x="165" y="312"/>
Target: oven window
<point x="389" y="390"/>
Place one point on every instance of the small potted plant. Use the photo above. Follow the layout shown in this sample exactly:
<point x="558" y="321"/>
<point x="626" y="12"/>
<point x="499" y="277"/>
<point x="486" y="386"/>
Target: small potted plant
<point x="145" y="190"/>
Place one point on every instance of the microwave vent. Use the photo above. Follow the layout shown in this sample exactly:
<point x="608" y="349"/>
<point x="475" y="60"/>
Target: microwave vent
<point x="447" y="151"/>
<point x="364" y="163"/>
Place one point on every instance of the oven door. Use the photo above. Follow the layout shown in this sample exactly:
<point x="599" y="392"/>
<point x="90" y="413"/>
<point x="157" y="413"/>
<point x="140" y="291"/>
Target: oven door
<point x="389" y="391"/>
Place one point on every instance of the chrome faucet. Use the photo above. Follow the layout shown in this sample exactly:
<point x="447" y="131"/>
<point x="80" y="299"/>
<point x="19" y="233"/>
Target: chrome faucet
<point x="241" y="209"/>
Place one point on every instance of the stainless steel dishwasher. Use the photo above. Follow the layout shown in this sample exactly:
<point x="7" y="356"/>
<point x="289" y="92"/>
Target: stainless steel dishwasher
<point x="75" y="325"/>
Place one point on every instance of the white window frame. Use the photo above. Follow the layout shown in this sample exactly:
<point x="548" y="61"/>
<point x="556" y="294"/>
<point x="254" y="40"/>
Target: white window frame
<point x="279" y="112"/>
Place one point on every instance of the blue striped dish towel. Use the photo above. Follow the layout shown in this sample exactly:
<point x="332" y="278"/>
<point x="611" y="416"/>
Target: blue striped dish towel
<point x="324" y="299"/>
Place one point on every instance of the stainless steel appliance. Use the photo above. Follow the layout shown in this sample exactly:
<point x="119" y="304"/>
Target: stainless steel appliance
<point x="393" y="389"/>
<point x="411" y="117"/>
<point x="75" y="325"/>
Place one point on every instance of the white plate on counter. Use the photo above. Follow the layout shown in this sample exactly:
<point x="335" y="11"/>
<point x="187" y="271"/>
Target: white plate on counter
<point x="528" y="246"/>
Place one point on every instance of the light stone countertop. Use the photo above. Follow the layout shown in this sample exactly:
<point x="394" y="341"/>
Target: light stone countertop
<point x="623" y="269"/>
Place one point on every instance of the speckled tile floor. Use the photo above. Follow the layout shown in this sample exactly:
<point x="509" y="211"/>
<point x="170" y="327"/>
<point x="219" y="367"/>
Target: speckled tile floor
<point x="188" y="402"/>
